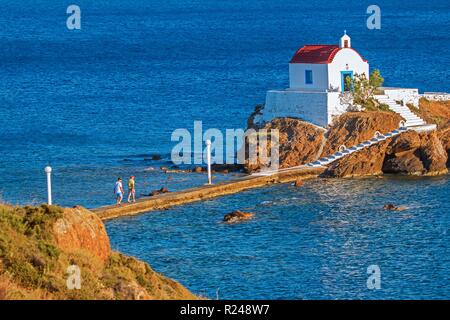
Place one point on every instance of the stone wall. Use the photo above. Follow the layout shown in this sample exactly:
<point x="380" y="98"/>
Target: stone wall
<point x="406" y="95"/>
<point x="436" y="96"/>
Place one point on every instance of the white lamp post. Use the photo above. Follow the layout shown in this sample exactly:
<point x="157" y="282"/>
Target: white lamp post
<point x="208" y="159"/>
<point x="48" y="171"/>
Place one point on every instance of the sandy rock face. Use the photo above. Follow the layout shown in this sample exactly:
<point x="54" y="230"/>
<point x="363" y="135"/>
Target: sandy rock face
<point x="81" y="229"/>
<point x="300" y="143"/>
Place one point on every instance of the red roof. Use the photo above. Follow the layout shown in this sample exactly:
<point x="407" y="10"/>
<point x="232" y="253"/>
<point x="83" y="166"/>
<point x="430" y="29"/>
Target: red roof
<point x="317" y="53"/>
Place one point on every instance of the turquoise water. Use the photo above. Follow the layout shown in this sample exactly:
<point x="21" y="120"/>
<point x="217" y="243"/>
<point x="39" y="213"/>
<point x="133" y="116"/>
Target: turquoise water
<point x="313" y="242"/>
<point x="98" y="102"/>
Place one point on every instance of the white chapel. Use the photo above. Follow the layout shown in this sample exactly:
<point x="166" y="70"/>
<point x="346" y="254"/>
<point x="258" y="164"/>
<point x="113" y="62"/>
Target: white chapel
<point x="317" y="75"/>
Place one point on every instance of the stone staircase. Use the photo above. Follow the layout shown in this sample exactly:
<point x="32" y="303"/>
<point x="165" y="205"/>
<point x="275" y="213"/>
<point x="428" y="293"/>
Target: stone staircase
<point x="412" y="120"/>
<point x="344" y="151"/>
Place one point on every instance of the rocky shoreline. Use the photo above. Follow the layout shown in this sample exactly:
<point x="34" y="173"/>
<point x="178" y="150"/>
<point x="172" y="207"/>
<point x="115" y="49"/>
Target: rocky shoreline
<point x="410" y="153"/>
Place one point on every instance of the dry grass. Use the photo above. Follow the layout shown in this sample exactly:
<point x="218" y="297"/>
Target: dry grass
<point x="437" y="112"/>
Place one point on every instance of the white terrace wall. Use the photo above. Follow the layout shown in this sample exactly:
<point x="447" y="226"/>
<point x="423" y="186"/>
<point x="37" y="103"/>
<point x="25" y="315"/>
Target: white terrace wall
<point x="308" y="106"/>
<point x="405" y="95"/>
<point x="436" y="96"/>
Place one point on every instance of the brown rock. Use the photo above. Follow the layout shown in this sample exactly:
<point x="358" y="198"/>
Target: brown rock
<point x="80" y="229"/>
<point x="437" y="112"/>
<point x="409" y="153"/>
<point x="300" y="142"/>
<point x="432" y="154"/>
<point x="198" y="170"/>
<point x="160" y="191"/>
<point x="392" y="207"/>
<point x="404" y="163"/>
<point x="407" y="141"/>
<point x="226" y="168"/>
<point x="368" y="161"/>
<point x="298" y="182"/>
<point x="415" y="153"/>
<point x="131" y="291"/>
<point x="237" y="216"/>
<point x="156" y="157"/>
<point x="444" y="137"/>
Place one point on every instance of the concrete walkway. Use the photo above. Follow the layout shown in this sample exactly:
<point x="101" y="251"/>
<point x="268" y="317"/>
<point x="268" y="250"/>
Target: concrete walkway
<point x="205" y="192"/>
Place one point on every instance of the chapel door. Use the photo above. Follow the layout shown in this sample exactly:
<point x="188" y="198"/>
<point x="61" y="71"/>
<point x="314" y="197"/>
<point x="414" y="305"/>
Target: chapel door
<point x="346" y="77"/>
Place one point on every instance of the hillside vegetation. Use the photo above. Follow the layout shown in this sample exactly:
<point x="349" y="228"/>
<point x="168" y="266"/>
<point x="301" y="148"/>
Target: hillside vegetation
<point x="39" y="244"/>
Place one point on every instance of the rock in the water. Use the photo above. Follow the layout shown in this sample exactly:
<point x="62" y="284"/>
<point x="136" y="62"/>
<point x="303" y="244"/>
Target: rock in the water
<point x="177" y="169"/>
<point x="392" y="207"/>
<point x="298" y="182"/>
<point x="198" y="170"/>
<point x="156" y="157"/>
<point x="237" y="216"/>
<point x="226" y="168"/>
<point x="160" y="191"/>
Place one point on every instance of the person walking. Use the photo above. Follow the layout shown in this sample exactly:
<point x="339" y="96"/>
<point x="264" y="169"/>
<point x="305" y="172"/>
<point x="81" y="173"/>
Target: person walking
<point x="118" y="191"/>
<point x="131" y="189"/>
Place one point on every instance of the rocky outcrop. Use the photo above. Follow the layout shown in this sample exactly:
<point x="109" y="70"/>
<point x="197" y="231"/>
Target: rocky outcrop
<point x="251" y="120"/>
<point x="78" y="229"/>
<point x="300" y="142"/>
<point x="416" y="154"/>
<point x="410" y="153"/>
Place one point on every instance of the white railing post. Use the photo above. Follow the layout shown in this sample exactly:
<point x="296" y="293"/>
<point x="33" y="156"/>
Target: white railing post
<point x="208" y="159"/>
<point x="48" y="171"/>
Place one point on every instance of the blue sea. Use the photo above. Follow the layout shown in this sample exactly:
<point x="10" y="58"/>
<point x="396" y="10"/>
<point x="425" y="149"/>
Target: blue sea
<point x="97" y="103"/>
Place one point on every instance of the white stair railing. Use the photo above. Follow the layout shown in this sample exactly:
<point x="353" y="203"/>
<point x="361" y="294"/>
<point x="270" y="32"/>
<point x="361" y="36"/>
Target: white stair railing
<point x="343" y="151"/>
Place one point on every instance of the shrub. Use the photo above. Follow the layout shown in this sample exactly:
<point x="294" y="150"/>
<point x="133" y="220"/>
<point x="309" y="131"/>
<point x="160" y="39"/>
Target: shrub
<point x="363" y="89"/>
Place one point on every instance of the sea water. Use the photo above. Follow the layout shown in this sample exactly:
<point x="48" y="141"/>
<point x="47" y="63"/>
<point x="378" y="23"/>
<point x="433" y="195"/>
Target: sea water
<point x="97" y="103"/>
